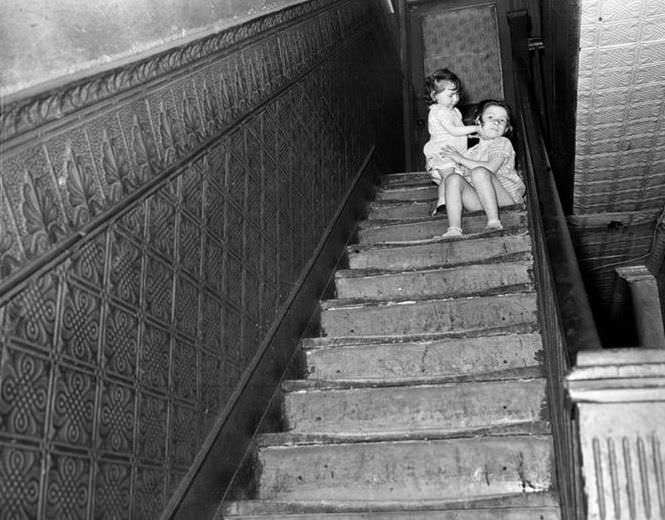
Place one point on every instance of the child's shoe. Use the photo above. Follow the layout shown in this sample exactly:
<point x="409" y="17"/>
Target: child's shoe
<point x="493" y="225"/>
<point x="438" y="208"/>
<point x="452" y="232"/>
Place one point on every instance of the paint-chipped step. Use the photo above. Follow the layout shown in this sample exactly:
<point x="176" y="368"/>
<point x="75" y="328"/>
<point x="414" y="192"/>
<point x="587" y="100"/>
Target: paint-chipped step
<point x="401" y="178"/>
<point x="340" y="318"/>
<point x="266" y="509"/>
<point x="389" y="210"/>
<point x="400" y="210"/>
<point x="448" y="281"/>
<point x="445" y="357"/>
<point x="431" y="407"/>
<point x="456" y="469"/>
<point x="522" y="506"/>
<point x="376" y="232"/>
<point x="498" y="245"/>
<point x="408" y="192"/>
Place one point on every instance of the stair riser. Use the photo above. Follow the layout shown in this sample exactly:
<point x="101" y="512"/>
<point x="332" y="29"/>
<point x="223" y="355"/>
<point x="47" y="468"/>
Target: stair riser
<point x="474" y="514"/>
<point x="447" y="408"/>
<point x="461" y="315"/>
<point x="417" y="470"/>
<point x="463" y="356"/>
<point x="408" y="193"/>
<point x="439" y="253"/>
<point x="396" y="179"/>
<point x="399" y="210"/>
<point x="432" y="228"/>
<point x="422" y="284"/>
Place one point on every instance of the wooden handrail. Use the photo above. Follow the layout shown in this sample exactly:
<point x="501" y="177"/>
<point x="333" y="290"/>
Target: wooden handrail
<point x="579" y="327"/>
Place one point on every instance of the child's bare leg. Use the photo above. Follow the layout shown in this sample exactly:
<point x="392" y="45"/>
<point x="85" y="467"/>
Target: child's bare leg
<point x="455" y="185"/>
<point x="441" y="189"/>
<point x="482" y="182"/>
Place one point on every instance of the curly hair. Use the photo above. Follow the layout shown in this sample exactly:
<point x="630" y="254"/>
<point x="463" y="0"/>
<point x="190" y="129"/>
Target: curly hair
<point x="437" y="82"/>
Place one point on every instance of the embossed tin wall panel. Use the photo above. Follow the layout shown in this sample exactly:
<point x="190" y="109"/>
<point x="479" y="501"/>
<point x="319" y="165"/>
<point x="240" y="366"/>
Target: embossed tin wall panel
<point x="152" y="222"/>
<point x="620" y="138"/>
<point x="451" y="39"/>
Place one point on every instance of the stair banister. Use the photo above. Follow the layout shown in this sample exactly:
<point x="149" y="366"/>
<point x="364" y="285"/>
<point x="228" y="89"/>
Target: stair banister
<point x="580" y="329"/>
<point x="567" y="325"/>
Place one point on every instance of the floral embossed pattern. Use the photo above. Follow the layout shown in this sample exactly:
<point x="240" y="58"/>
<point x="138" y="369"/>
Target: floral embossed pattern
<point x="177" y="219"/>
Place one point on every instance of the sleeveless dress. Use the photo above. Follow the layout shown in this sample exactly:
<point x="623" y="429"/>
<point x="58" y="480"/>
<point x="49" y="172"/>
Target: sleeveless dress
<point x="440" y="137"/>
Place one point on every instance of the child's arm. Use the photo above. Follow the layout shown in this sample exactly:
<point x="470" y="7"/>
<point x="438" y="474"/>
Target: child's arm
<point x="492" y="164"/>
<point x="457" y="131"/>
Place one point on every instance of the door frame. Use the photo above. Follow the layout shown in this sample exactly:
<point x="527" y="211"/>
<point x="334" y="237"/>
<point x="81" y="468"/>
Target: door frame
<point x="411" y="13"/>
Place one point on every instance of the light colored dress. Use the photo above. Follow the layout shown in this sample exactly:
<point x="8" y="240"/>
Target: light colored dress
<point x="440" y="137"/>
<point x="486" y="150"/>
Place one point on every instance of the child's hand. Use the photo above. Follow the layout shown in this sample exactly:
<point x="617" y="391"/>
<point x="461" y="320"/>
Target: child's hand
<point x="449" y="152"/>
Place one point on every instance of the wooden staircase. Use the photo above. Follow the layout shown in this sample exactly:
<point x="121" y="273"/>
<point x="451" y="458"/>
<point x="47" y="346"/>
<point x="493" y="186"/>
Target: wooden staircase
<point x="425" y="397"/>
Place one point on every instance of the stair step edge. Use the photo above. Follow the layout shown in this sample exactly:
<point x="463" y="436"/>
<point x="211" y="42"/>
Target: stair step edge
<point x="359" y="340"/>
<point x="523" y="500"/>
<point x="540" y="430"/>
<point x="347" y="303"/>
<point x="517" y="374"/>
<point x="370" y="224"/>
<point x="507" y="234"/>
<point x="373" y="272"/>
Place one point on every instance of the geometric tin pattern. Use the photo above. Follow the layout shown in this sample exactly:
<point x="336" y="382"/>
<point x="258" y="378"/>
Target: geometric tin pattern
<point x="620" y="134"/>
<point x="148" y="237"/>
<point x="450" y="39"/>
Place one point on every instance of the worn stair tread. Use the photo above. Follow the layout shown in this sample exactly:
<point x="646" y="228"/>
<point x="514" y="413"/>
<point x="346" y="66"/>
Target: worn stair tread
<point x="416" y="254"/>
<point x="542" y="499"/>
<point x="525" y="372"/>
<point x="346" y="303"/>
<point x="508" y="212"/>
<point x="391" y="179"/>
<point x="518" y="429"/>
<point x="493" y="278"/>
<point x="418" y="407"/>
<point x="377" y="339"/>
<point x="407" y="210"/>
<point x="463" y="313"/>
<point x="408" y="192"/>
<point x="479" y="292"/>
<point x="456" y="468"/>
<point x="478" y="356"/>
<point x="521" y="260"/>
<point x="431" y="231"/>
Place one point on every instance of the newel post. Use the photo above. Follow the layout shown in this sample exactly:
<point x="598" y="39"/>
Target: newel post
<point x="619" y="395"/>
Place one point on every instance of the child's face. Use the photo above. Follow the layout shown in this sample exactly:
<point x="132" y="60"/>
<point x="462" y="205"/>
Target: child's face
<point x="493" y="122"/>
<point x="448" y="97"/>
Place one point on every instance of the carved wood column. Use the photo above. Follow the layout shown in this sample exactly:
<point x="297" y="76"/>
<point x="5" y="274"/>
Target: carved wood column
<point x="619" y="396"/>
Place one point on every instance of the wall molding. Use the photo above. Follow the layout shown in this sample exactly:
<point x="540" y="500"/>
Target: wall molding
<point x="23" y="115"/>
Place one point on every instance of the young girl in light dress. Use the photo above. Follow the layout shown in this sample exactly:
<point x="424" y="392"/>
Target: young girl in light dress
<point x="485" y="176"/>
<point x="446" y="128"/>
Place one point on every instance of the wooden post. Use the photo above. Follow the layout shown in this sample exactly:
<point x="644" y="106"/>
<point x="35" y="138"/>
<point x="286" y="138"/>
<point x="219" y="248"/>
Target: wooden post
<point x="646" y="305"/>
<point x="620" y="399"/>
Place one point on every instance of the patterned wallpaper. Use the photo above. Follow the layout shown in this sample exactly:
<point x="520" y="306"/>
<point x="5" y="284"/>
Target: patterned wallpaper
<point x="452" y="39"/>
<point x="152" y="221"/>
<point x="620" y="135"/>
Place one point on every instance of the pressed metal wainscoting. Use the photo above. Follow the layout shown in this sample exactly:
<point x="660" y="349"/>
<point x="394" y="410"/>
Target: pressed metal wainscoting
<point x="152" y="221"/>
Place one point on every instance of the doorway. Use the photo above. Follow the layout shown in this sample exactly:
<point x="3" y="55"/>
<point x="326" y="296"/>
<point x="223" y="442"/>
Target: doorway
<point x="463" y="35"/>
